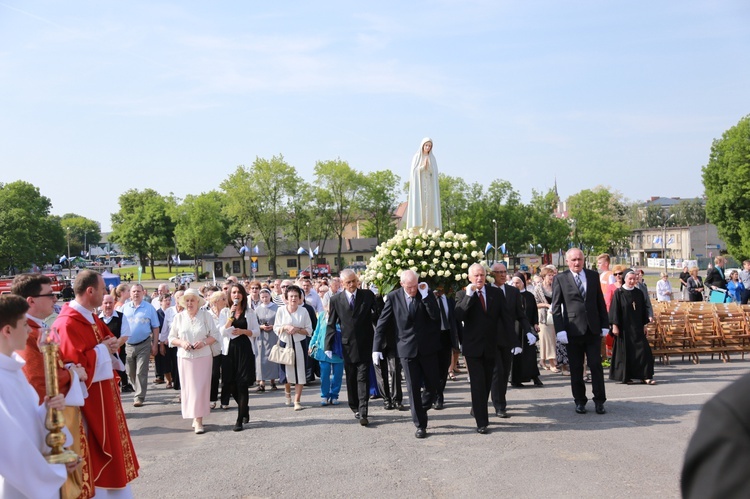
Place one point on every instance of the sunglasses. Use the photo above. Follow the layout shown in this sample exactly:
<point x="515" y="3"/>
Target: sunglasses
<point x="48" y="295"/>
<point x="617" y="273"/>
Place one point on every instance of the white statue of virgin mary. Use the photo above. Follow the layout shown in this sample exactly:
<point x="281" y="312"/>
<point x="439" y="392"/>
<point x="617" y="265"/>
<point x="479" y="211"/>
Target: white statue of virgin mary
<point x="423" y="211"/>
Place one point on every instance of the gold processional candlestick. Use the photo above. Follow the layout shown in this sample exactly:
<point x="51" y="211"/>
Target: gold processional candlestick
<point x="55" y="421"/>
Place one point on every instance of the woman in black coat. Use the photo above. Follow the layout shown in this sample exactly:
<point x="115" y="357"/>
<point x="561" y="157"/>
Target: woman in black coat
<point x="525" y="367"/>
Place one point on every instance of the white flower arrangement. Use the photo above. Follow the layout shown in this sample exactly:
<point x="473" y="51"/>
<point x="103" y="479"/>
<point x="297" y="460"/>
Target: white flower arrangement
<point x="446" y="269"/>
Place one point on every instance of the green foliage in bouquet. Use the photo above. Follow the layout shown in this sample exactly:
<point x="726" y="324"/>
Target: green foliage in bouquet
<point x="441" y="259"/>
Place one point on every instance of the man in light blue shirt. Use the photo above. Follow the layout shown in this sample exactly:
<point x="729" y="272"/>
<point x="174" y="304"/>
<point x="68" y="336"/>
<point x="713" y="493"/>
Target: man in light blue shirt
<point x="143" y="341"/>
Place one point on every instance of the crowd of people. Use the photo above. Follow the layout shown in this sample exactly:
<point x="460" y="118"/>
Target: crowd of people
<point x="214" y="344"/>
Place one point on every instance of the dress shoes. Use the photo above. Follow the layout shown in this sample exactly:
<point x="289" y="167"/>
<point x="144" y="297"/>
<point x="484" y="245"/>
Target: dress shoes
<point x="128" y="389"/>
<point x="438" y="406"/>
<point x="398" y="406"/>
<point x="580" y="408"/>
<point x="388" y="406"/>
<point x="517" y="385"/>
<point x="356" y="415"/>
<point x="245" y="419"/>
<point x="483" y="430"/>
<point x="538" y="382"/>
<point x="502" y="413"/>
<point x="363" y="421"/>
<point x="600" y="408"/>
<point x="421" y="433"/>
<point x="237" y="426"/>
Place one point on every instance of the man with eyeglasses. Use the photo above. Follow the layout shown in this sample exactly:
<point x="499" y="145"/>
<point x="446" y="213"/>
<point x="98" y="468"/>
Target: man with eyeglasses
<point x="36" y="289"/>
<point x="143" y="341"/>
<point x="507" y="340"/>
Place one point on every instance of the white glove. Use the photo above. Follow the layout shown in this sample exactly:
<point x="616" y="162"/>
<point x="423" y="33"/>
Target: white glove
<point x="329" y="354"/>
<point x="562" y="337"/>
<point x="377" y="357"/>
<point x="605" y="331"/>
<point x="516" y="351"/>
<point x="423" y="289"/>
<point x="531" y="338"/>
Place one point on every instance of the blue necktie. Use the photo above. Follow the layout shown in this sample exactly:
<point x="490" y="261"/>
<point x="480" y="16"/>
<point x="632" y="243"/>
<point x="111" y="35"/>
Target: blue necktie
<point x="580" y="286"/>
<point x="351" y="303"/>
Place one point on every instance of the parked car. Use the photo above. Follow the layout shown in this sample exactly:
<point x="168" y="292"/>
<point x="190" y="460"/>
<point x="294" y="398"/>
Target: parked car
<point x="182" y="277"/>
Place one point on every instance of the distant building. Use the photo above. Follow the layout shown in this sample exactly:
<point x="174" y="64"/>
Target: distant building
<point x="288" y="262"/>
<point x="698" y="242"/>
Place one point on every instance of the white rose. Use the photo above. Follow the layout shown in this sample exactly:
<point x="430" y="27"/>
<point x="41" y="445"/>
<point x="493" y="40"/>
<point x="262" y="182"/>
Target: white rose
<point x="415" y="269"/>
<point x="447" y="273"/>
<point x="407" y="251"/>
<point x="409" y="242"/>
<point x="437" y="253"/>
<point x="452" y="266"/>
<point x="394" y="253"/>
<point x="445" y="265"/>
<point x="465" y="257"/>
<point x="410" y="262"/>
<point x="464" y="265"/>
<point x="388" y="266"/>
<point x="417" y="241"/>
<point x="465" y="276"/>
<point x="432" y="244"/>
<point x="397" y="261"/>
<point x="431" y="273"/>
<point x="473" y="254"/>
<point x="457" y="256"/>
<point x="380" y="275"/>
<point x="423" y="274"/>
<point x="473" y="243"/>
<point x="423" y="263"/>
<point x="427" y="252"/>
<point x="442" y="244"/>
<point x="440" y="273"/>
<point x="449" y="234"/>
<point x="435" y="261"/>
<point x="420" y="253"/>
<point x="399" y="272"/>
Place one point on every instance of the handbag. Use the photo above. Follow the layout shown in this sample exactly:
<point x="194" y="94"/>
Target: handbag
<point x="216" y="345"/>
<point x="281" y="355"/>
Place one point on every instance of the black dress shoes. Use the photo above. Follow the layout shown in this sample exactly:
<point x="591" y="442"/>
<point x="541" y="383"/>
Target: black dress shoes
<point x="517" y="385"/>
<point x="600" y="408"/>
<point x="363" y="421"/>
<point x="482" y="430"/>
<point x="398" y="406"/>
<point x="538" y="382"/>
<point x="502" y="413"/>
<point x="421" y="433"/>
<point x="237" y="426"/>
<point x="388" y="406"/>
<point x="438" y="405"/>
<point x="580" y="408"/>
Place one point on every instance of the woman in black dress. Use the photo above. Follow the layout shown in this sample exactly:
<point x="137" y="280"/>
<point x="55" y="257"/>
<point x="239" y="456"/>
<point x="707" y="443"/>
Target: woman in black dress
<point x="237" y="325"/>
<point x="631" y="353"/>
<point x="525" y="367"/>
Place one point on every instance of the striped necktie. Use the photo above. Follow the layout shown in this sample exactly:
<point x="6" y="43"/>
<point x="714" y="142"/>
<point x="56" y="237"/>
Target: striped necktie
<point x="580" y="286"/>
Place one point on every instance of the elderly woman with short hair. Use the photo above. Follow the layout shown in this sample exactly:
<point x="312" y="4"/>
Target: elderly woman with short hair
<point x="695" y="285"/>
<point x="192" y="332"/>
<point x="663" y="288"/>
<point x="293" y="325"/>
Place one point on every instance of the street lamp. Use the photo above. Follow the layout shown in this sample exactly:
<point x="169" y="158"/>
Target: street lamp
<point x="664" y="241"/>
<point x="494" y="222"/>
<point x="309" y="249"/>
<point x="70" y="269"/>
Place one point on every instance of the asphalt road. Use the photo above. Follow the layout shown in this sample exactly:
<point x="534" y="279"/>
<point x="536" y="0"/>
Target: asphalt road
<point x="543" y="450"/>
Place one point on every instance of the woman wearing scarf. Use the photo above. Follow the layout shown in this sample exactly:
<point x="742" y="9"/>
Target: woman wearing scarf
<point x="525" y="367"/>
<point x="264" y="368"/>
<point x="631" y="353"/>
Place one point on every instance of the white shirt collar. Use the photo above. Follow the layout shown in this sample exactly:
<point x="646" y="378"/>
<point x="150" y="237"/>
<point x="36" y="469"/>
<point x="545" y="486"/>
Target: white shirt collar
<point x="88" y="314"/>
<point x="38" y="321"/>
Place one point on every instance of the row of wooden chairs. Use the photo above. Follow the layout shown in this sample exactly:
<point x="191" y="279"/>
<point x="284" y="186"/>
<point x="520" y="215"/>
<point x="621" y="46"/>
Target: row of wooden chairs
<point x="691" y="329"/>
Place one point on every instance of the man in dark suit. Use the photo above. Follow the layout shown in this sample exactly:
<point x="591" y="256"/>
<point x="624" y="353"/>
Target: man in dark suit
<point x="355" y="310"/>
<point x="448" y="342"/>
<point x="388" y="372"/>
<point x="480" y="310"/>
<point x="413" y="313"/>
<point x="507" y="339"/>
<point x="716" y="459"/>
<point x="580" y="317"/>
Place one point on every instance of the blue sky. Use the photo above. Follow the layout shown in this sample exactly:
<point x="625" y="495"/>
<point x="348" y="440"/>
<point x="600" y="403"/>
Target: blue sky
<point x="99" y="97"/>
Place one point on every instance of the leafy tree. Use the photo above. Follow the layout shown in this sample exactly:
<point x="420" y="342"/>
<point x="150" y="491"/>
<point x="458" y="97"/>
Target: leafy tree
<point x="654" y="216"/>
<point x="28" y="234"/>
<point x="454" y="198"/>
<point x="547" y="231"/>
<point x="726" y="179"/>
<point x="505" y="206"/>
<point x="143" y="225"/>
<point x="201" y="228"/>
<point x="258" y="196"/>
<point x="688" y="212"/>
<point x="301" y="221"/>
<point x="377" y="203"/>
<point x="338" y="186"/>
<point x="598" y="218"/>
<point x="82" y="232"/>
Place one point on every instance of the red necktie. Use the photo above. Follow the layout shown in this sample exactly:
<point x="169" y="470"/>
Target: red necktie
<point x="481" y="300"/>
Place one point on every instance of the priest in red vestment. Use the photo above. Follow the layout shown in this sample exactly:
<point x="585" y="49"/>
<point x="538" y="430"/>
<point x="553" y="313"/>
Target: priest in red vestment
<point x="86" y="340"/>
<point x="36" y="289"/>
